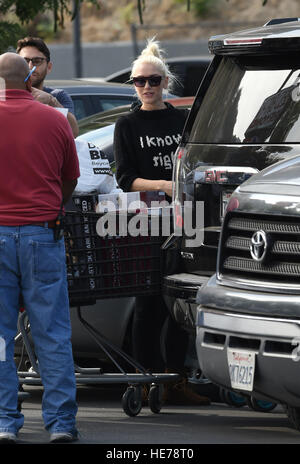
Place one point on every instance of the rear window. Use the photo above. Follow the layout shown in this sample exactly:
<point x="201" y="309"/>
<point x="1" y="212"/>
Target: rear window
<point x="251" y="100"/>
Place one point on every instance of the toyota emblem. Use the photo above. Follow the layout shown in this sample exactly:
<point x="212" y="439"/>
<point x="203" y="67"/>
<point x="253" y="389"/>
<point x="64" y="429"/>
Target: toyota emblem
<point x="259" y="246"/>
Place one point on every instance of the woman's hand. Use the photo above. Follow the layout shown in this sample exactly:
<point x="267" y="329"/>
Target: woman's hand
<point x="167" y="187"/>
<point x="145" y="185"/>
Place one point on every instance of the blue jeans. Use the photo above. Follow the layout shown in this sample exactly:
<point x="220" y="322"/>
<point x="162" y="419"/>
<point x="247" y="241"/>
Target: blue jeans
<point x="33" y="264"/>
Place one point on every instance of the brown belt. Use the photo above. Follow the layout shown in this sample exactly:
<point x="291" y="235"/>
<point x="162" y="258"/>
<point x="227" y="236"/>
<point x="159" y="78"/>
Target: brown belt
<point x="49" y="224"/>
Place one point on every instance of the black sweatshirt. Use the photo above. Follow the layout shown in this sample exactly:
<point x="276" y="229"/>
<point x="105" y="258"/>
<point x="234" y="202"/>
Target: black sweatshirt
<point x="145" y="143"/>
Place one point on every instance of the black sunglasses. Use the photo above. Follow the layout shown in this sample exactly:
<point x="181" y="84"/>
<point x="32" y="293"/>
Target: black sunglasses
<point x="37" y="61"/>
<point x="154" y="81"/>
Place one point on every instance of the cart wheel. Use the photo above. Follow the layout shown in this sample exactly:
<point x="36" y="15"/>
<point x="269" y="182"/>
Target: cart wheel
<point x="234" y="399"/>
<point x="132" y="401"/>
<point x="260" y="405"/>
<point x="22" y="395"/>
<point x="155" y="398"/>
<point x="19" y="407"/>
<point x="293" y="415"/>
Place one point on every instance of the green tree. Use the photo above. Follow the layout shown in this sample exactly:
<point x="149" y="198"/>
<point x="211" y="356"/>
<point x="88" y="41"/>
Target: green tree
<point x="26" y="10"/>
<point x="200" y="6"/>
<point x="9" y="34"/>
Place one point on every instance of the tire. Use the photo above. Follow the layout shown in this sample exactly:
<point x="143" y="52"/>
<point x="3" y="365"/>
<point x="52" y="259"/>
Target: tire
<point x="260" y="405"/>
<point x="22" y="395"/>
<point x="222" y="394"/>
<point x="132" y="401"/>
<point x="234" y="399"/>
<point x="155" y="398"/>
<point x="293" y="416"/>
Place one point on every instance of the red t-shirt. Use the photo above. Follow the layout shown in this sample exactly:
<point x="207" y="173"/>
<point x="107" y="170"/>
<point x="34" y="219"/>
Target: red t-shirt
<point x="37" y="152"/>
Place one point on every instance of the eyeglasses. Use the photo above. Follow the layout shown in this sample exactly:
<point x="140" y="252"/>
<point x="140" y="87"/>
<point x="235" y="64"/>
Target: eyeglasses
<point x="154" y="81"/>
<point x="37" y="61"/>
<point x="29" y="74"/>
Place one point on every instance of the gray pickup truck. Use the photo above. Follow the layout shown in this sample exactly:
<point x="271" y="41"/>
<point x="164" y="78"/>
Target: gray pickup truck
<point x="248" y="318"/>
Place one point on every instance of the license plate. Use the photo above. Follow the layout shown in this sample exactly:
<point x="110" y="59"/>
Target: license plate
<point x="241" y="369"/>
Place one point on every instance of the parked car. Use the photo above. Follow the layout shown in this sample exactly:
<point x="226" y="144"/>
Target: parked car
<point x="104" y="118"/>
<point x="248" y="318"/>
<point x="102" y="138"/>
<point x="93" y="97"/>
<point x="189" y="71"/>
<point x="243" y="120"/>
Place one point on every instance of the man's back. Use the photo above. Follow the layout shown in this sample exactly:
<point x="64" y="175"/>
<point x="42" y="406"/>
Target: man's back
<point x="37" y="153"/>
<point x="39" y="169"/>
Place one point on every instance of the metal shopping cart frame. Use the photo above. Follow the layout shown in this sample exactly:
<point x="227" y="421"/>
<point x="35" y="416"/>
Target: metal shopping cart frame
<point x="101" y="267"/>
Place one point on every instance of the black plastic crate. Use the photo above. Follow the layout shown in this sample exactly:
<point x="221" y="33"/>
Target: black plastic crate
<point x="111" y="266"/>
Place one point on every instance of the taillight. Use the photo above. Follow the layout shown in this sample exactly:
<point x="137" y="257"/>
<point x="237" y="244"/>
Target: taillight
<point x="232" y="204"/>
<point x="240" y="41"/>
<point x="178" y="216"/>
<point x="178" y="194"/>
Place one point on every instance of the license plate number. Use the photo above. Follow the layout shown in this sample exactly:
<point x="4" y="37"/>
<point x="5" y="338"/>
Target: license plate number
<point x="241" y="366"/>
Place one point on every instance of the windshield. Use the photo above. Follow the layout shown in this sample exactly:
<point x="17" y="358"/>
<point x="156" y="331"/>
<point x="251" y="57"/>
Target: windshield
<point x="100" y="137"/>
<point x="250" y="103"/>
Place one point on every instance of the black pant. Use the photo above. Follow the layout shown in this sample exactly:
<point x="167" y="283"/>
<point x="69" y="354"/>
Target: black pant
<point x="158" y="342"/>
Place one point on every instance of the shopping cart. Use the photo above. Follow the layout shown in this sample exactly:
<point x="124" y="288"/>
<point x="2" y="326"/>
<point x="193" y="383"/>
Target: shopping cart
<point x="101" y="267"/>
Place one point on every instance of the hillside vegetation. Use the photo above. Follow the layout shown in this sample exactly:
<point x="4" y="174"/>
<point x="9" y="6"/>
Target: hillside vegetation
<point x="112" y="21"/>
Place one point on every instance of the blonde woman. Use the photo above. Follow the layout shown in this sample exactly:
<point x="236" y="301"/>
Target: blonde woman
<point x="146" y="139"/>
<point x="145" y="143"/>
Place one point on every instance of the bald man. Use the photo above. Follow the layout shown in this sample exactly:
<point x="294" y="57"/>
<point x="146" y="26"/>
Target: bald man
<point x="39" y="171"/>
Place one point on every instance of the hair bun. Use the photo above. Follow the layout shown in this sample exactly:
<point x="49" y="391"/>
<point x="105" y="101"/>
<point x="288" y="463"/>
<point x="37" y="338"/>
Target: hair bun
<point x="153" y="54"/>
<point x="153" y="48"/>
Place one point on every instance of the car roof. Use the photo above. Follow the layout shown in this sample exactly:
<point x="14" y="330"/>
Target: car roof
<point x="107" y="117"/>
<point x="205" y="59"/>
<point x="284" y="36"/>
<point x="101" y="119"/>
<point x="288" y="29"/>
<point x="187" y="59"/>
<point x="106" y="133"/>
<point x="182" y="101"/>
<point x="80" y="86"/>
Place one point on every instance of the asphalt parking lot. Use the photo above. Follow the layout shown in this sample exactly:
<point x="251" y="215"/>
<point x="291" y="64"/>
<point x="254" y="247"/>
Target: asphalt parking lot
<point x="102" y="421"/>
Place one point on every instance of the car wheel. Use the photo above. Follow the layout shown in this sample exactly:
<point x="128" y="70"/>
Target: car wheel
<point x="234" y="399"/>
<point x="260" y="405"/>
<point x="231" y="398"/>
<point x="222" y="394"/>
<point x="22" y="395"/>
<point x="293" y="416"/>
<point x="132" y="401"/>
